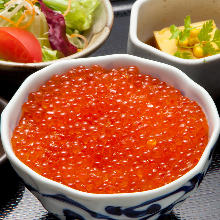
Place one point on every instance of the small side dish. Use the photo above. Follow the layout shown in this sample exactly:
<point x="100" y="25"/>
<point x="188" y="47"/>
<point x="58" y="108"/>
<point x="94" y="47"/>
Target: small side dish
<point x="148" y="16"/>
<point x="110" y="131"/>
<point x="191" y="41"/>
<point x="44" y="30"/>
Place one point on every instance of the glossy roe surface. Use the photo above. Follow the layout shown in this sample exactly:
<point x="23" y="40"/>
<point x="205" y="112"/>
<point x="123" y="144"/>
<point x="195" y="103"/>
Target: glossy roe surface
<point x="110" y="131"/>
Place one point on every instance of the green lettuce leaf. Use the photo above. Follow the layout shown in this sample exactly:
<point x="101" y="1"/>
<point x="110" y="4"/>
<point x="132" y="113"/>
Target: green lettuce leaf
<point x="80" y="15"/>
<point x="49" y="54"/>
<point x="2" y="3"/>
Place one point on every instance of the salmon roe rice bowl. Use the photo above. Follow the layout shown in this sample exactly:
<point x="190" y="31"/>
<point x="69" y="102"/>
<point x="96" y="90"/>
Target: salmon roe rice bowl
<point x="108" y="131"/>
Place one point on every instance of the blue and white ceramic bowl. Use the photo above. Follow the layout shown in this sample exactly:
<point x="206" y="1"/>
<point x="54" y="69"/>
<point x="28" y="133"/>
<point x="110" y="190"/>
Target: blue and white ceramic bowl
<point x="153" y="15"/>
<point x="68" y="203"/>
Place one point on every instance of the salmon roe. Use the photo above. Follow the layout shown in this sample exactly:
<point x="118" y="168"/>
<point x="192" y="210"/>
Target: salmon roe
<point x="110" y="131"/>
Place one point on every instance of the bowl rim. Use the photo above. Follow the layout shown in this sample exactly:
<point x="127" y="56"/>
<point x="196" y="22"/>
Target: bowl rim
<point x="135" y="40"/>
<point x="86" y="52"/>
<point x="8" y="111"/>
<point x="3" y="157"/>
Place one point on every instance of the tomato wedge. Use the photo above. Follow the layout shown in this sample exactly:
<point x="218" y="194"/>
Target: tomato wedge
<point x="19" y="45"/>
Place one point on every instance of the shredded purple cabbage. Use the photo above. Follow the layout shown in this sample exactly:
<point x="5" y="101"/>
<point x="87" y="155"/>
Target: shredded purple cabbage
<point x="57" y="31"/>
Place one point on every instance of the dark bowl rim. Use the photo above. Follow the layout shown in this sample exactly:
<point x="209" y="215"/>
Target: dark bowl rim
<point x="3" y="103"/>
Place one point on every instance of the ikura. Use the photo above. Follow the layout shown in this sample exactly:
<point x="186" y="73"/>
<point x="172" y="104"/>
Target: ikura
<point x="110" y="131"/>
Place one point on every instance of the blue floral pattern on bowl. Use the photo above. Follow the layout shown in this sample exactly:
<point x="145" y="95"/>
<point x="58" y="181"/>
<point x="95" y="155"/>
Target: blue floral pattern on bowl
<point x="142" y="211"/>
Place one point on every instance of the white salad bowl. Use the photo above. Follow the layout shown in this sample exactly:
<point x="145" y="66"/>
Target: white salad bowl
<point x="153" y="15"/>
<point x="96" y="35"/>
<point x="67" y="203"/>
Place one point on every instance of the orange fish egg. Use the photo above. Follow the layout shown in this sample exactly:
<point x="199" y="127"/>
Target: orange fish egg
<point x="110" y="131"/>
